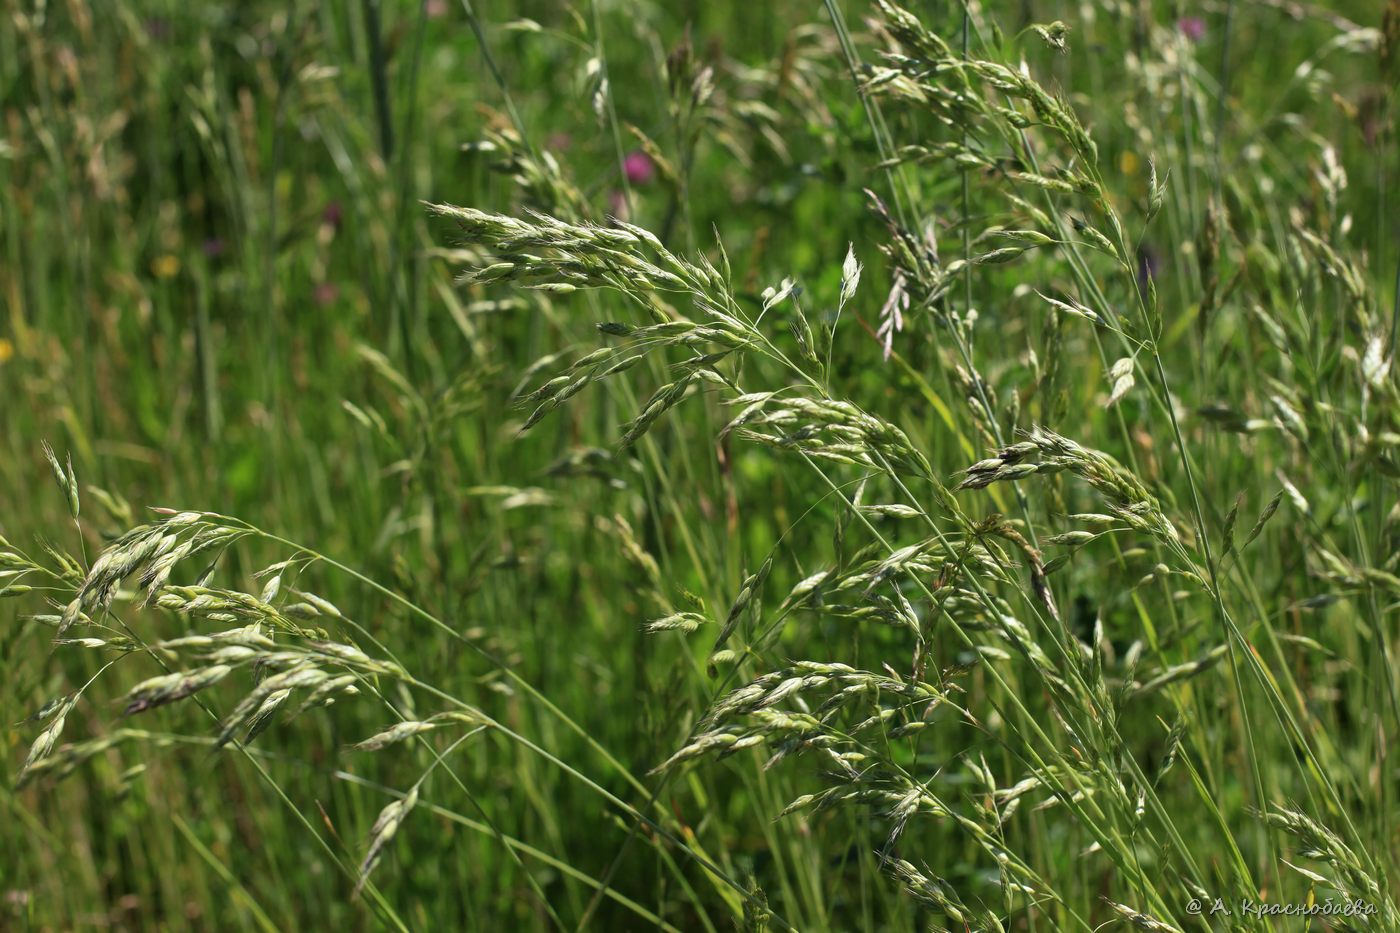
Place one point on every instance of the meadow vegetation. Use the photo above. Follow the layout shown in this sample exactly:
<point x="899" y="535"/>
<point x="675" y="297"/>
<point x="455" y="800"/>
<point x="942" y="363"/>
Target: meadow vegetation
<point x="624" y="465"/>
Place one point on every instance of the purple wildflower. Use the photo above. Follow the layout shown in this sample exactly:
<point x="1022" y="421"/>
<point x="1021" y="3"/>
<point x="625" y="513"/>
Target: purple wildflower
<point x="332" y="214"/>
<point x="1192" y="27"/>
<point x="617" y="204"/>
<point x="638" y="167"/>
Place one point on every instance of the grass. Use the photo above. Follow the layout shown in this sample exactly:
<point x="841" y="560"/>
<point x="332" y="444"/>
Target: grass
<point x="774" y="466"/>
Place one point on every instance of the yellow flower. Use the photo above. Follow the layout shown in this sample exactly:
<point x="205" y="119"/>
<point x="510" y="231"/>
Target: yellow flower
<point x="1129" y="163"/>
<point x="166" y="267"/>
<point x="7" y="349"/>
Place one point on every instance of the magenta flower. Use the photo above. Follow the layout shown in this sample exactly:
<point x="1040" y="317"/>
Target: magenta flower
<point x="617" y="204"/>
<point x="638" y="167"/>
<point x="326" y="293"/>
<point x="332" y="214"/>
<point x="1192" y="27"/>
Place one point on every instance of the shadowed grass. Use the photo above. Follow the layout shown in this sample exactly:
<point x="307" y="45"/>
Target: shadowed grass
<point x="671" y="533"/>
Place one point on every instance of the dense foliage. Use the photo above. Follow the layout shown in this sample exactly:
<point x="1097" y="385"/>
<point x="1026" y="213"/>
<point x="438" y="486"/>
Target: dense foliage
<point x="625" y="466"/>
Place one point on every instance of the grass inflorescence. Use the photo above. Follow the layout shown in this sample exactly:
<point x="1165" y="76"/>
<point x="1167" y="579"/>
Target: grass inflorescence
<point x="898" y="469"/>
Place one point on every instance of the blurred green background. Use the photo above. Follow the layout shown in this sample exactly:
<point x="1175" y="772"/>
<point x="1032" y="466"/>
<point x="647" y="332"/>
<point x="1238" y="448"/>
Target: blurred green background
<point x="211" y="212"/>
<point x="219" y="289"/>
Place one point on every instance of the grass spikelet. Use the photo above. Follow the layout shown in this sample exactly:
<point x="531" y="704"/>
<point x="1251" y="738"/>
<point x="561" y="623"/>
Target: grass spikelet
<point x="394" y="734"/>
<point x="168" y="688"/>
<point x="633" y="385"/>
<point x="43" y="745"/>
<point x="385" y="827"/>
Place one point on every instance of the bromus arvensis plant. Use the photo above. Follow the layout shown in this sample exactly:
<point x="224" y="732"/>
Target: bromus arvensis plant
<point x="1021" y="558"/>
